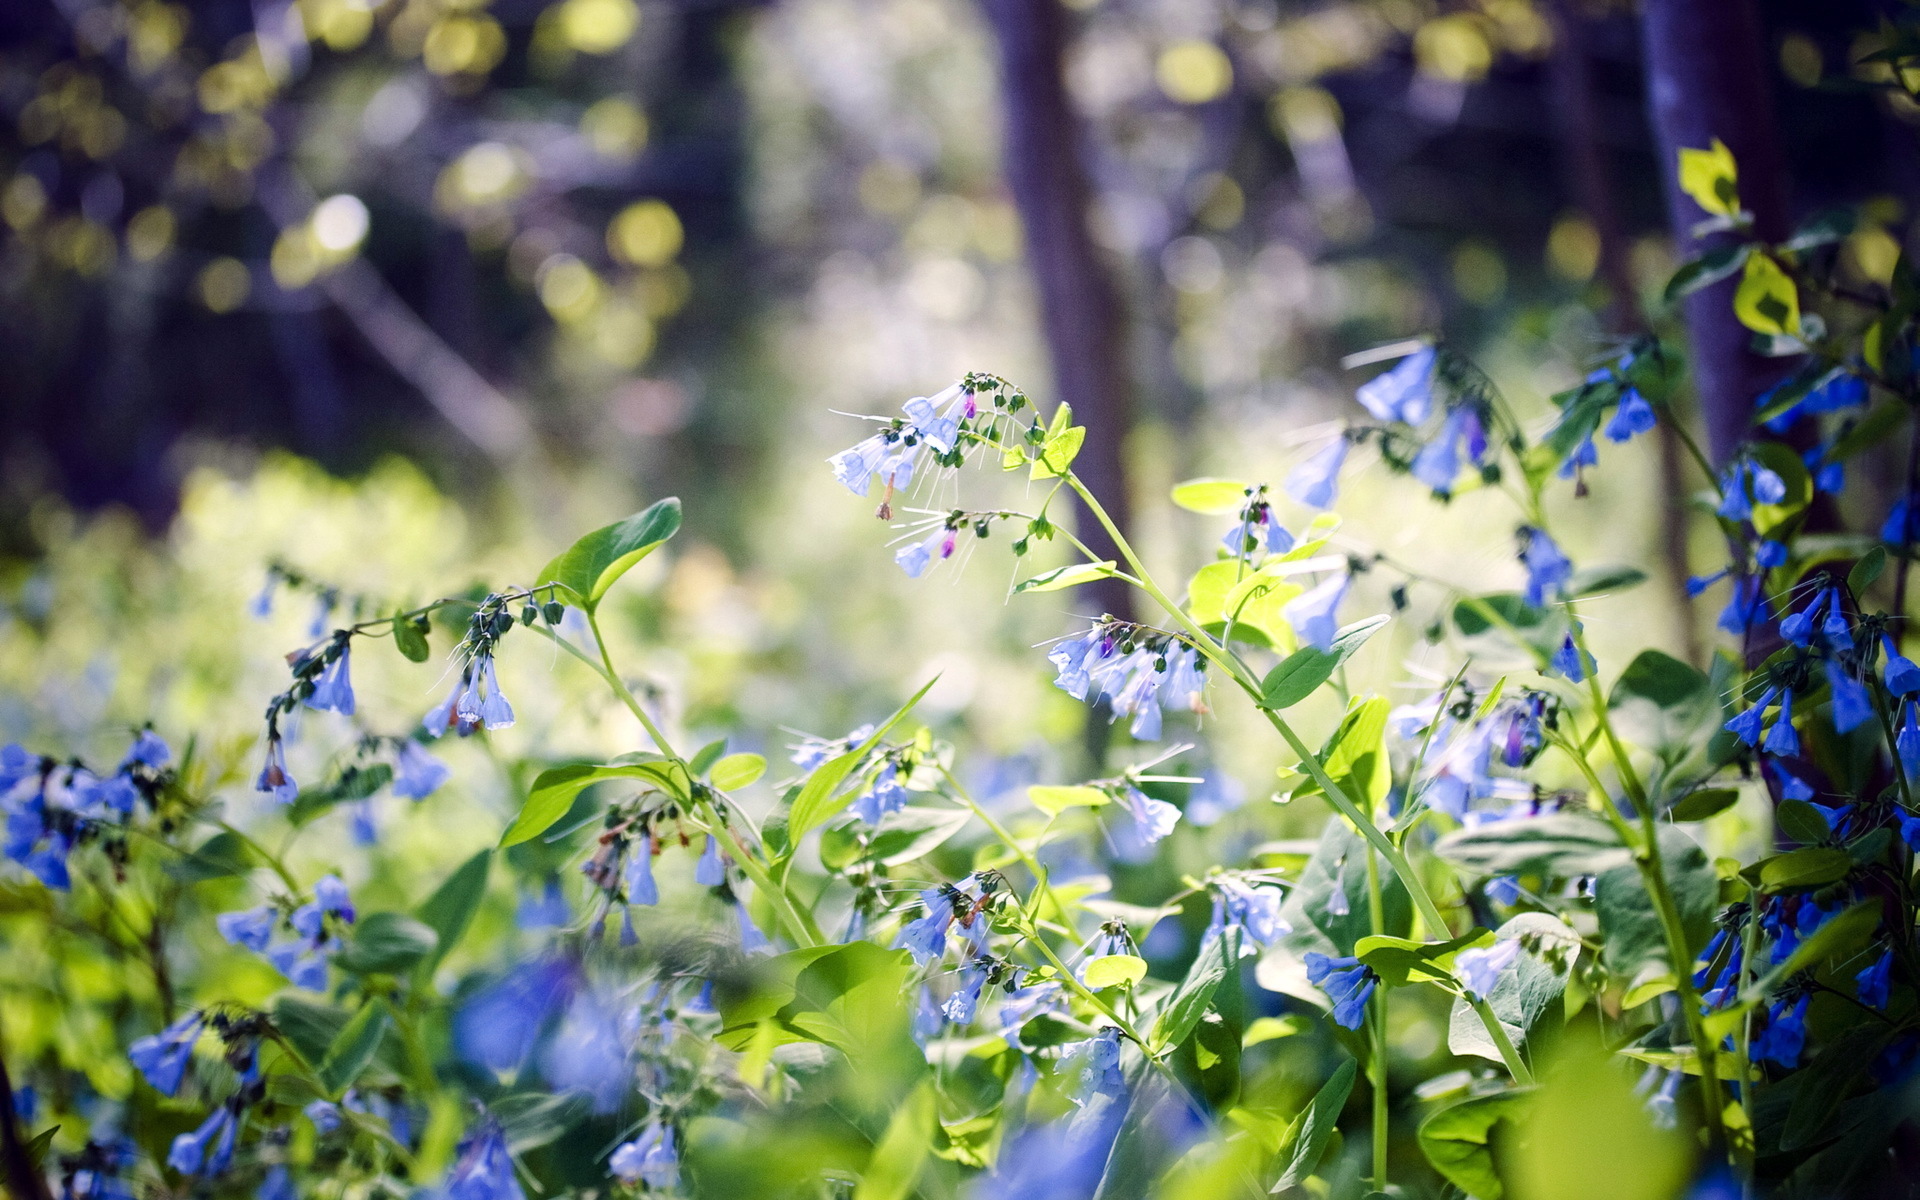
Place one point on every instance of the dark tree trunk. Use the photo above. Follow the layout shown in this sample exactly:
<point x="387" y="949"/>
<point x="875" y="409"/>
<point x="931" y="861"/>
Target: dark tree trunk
<point x="1079" y="304"/>
<point x="1591" y="180"/>
<point x="1706" y="79"/>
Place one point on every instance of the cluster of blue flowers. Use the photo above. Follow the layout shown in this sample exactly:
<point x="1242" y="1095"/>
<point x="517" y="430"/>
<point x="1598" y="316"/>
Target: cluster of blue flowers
<point x="49" y="808"/>
<point x="1135" y="670"/>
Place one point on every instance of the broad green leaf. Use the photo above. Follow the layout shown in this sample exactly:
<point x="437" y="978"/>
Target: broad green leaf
<point x="1328" y="906"/>
<point x="1066" y="577"/>
<point x="1058" y="452"/>
<point x="902" y="1149"/>
<point x="1315" y="1126"/>
<point x="1308" y="667"/>
<point x="1631" y="932"/>
<point x="1558" y="845"/>
<point x="1825" y="227"/>
<point x="1711" y="178"/>
<point x="554" y="792"/>
<point x="1356" y="755"/>
<point x="1800" y="870"/>
<point x="1766" y="300"/>
<point x="1707" y="802"/>
<point x="1115" y="970"/>
<point x="450" y="909"/>
<point x="816" y="803"/>
<point x="1665" y="706"/>
<point x="1821" y="1085"/>
<point x="1526" y="992"/>
<point x="738" y="771"/>
<point x="1710" y="268"/>
<point x="353" y="1049"/>
<point x="1457" y="1141"/>
<point x="1589" y="581"/>
<point x="1258" y="622"/>
<point x="847" y="996"/>
<point x="220" y="856"/>
<point x="310" y="1026"/>
<point x="1802" y="822"/>
<point x="1211" y="495"/>
<point x="387" y="943"/>
<point x="1267" y="1029"/>
<point x="1054" y="799"/>
<point x="410" y="640"/>
<point x="706" y="756"/>
<point x="1190" y="1000"/>
<point x="1400" y="961"/>
<point x="594" y="562"/>
<point x="1258" y="601"/>
<point x="1867" y="571"/>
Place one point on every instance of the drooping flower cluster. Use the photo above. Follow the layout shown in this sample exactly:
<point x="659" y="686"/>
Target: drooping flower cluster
<point x="314" y="925"/>
<point x="50" y="808"/>
<point x="1136" y="670"/>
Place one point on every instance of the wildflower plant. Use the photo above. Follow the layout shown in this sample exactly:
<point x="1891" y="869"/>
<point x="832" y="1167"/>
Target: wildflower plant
<point x="940" y="993"/>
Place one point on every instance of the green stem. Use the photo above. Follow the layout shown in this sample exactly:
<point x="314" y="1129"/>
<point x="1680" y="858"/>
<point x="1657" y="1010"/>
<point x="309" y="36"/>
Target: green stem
<point x="625" y="693"/>
<point x="1336" y="796"/>
<point x="272" y="859"/>
<point x="1645" y="849"/>
<point x="1377" y="1064"/>
<point x="803" y="931"/>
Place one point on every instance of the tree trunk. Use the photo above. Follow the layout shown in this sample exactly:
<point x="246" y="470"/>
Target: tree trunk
<point x="1590" y="177"/>
<point x="1706" y="79"/>
<point x="1079" y="305"/>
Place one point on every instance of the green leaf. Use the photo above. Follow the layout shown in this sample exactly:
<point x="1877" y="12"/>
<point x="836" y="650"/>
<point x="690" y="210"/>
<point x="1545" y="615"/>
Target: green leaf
<point x="410" y="639"/>
<point x="1707" y="802"/>
<point x="738" y="771"/>
<point x="1558" y="845"/>
<point x="1801" y="870"/>
<point x="706" y="756"/>
<point x="1066" y="577"/>
<point x="1211" y="495"/>
<point x="1631" y="931"/>
<point x="1183" y="1011"/>
<point x="1766" y="300"/>
<point x="594" y="562"/>
<point x="219" y="857"/>
<point x="1665" y="706"/>
<point x="1114" y="970"/>
<point x="309" y="1026"/>
<point x="1590" y="581"/>
<point x="816" y="803"/>
<point x="450" y="909"/>
<point x="1315" y="1126"/>
<point x="353" y="1049"/>
<point x="1825" y="227"/>
<point x="1059" y="450"/>
<point x="1824" y="1083"/>
<point x="387" y="943"/>
<point x="902" y="1149"/>
<point x="1867" y="571"/>
<point x="1710" y="268"/>
<point x="36" y="1148"/>
<point x="1054" y="799"/>
<point x="1328" y="906"/>
<point x="1308" y="667"/>
<point x="846" y="996"/>
<point x="1802" y="822"/>
<point x="1356" y="755"/>
<point x="1400" y="961"/>
<point x="554" y="791"/>
<point x="1457" y="1141"/>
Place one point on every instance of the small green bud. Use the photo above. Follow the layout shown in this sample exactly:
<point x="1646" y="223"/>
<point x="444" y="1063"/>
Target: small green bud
<point x="554" y="611"/>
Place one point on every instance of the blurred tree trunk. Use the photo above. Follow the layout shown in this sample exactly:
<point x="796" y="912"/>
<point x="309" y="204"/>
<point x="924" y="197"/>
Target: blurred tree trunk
<point x="1706" y="79"/>
<point x="1079" y="303"/>
<point x="1592" y="184"/>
